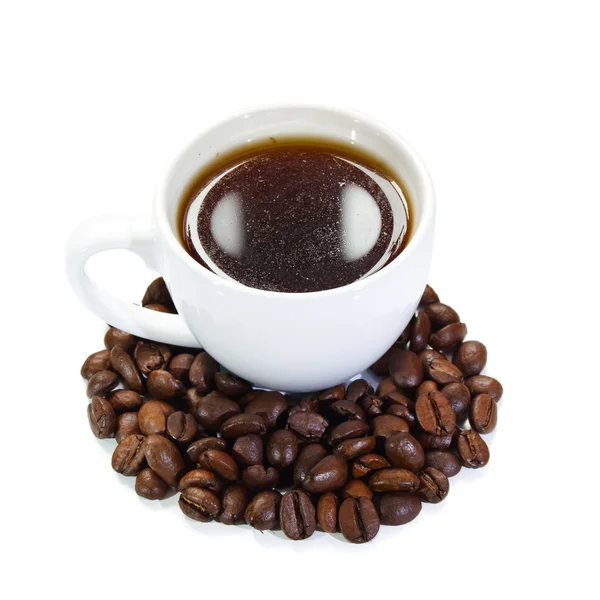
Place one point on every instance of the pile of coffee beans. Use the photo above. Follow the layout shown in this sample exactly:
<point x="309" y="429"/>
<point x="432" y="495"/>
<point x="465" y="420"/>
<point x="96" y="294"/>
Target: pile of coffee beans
<point x="346" y="459"/>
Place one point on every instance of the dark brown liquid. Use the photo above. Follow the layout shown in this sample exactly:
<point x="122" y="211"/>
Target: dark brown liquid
<point x="295" y="216"/>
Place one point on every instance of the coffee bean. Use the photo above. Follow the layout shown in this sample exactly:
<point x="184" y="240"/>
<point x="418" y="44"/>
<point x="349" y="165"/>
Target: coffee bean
<point x="243" y="424"/>
<point x="405" y="452"/>
<point x="96" y="362"/>
<point x="347" y="410"/>
<point x="308" y="457"/>
<point x="350" y="449"/>
<point x="190" y="400"/>
<point x="446" y="462"/>
<point x="460" y="398"/>
<point x="380" y="366"/>
<point x="199" y="504"/>
<point x="102" y="382"/>
<point x="429" y="296"/>
<point x="182" y="427"/>
<point x="118" y="337"/>
<point x="426" y="387"/>
<point x="420" y="331"/>
<point x="386" y="386"/>
<point x="125" y="400"/>
<point x="328" y="475"/>
<point x="357" y="389"/>
<point x="434" y="485"/>
<point x="385" y="426"/>
<point x="256" y="477"/>
<point x="162" y="385"/>
<point x="202" y="372"/>
<point x="179" y="366"/>
<point x="263" y="511"/>
<point x="406" y="368"/>
<point x="219" y="462"/>
<point x="308" y="426"/>
<point x="398" y="508"/>
<point x="359" y="521"/>
<point x="397" y="398"/>
<point x="201" y="478"/>
<point x="441" y="315"/>
<point x="394" y="480"/>
<point x="297" y="515"/>
<point x="348" y="430"/>
<point x="372" y="405"/>
<point x="150" y="486"/>
<point x="195" y="449"/>
<point x="123" y="364"/>
<point x="448" y="337"/>
<point x="127" y="424"/>
<point x="101" y="417"/>
<point x="234" y="502"/>
<point x="398" y="410"/>
<point x="248" y="450"/>
<point x="163" y="458"/>
<point x="482" y="384"/>
<point x="245" y="399"/>
<point x="282" y="448"/>
<point x="151" y="356"/>
<point x="434" y="414"/>
<point x="483" y="414"/>
<point x="269" y="405"/>
<point x="214" y="409"/>
<point x="305" y="405"/>
<point x="230" y="385"/>
<point x="434" y="442"/>
<point x="442" y="371"/>
<point x="470" y="358"/>
<point x="327" y="510"/>
<point x="158" y="308"/>
<point x="367" y="463"/>
<point x="153" y="417"/>
<point x="157" y="293"/>
<point x="472" y="450"/>
<point x="332" y="394"/>
<point x="355" y="488"/>
<point x="128" y="457"/>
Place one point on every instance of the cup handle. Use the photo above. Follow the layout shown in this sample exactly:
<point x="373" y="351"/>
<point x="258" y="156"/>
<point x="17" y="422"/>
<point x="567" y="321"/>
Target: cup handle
<point x="113" y="232"/>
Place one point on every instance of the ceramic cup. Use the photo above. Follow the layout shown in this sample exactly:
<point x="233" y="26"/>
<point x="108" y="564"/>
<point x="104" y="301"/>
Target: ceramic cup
<point x="284" y="341"/>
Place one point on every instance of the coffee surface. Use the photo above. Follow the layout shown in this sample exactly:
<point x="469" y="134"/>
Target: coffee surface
<point x="295" y="218"/>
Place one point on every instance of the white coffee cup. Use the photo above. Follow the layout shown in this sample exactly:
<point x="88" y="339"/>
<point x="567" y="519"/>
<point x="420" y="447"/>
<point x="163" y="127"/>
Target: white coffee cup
<point x="285" y="341"/>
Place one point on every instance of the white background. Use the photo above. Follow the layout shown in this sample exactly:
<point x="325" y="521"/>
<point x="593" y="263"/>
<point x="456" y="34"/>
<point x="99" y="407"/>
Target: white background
<point x="502" y="102"/>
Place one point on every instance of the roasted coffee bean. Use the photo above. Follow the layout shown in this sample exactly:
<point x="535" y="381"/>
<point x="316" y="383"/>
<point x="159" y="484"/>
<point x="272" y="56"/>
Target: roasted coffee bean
<point x="347" y="410"/>
<point x="127" y="424"/>
<point x="243" y="424"/>
<point x="358" y="519"/>
<point x="219" y="462"/>
<point x="328" y="475"/>
<point x="482" y="384"/>
<point x="399" y="410"/>
<point x="231" y="385"/>
<point x="429" y="296"/>
<point x="327" y="511"/>
<point x="309" y="456"/>
<point x="269" y="405"/>
<point x="163" y="458"/>
<point x="96" y="362"/>
<point x="157" y="293"/>
<point x="446" y="462"/>
<point x="357" y="389"/>
<point x="472" y="450"/>
<point x="385" y="426"/>
<point x="405" y="452"/>
<point x="151" y="356"/>
<point x="297" y="515"/>
<point x="403" y="338"/>
<point x="434" y="442"/>
<point x="442" y="371"/>
<point x="118" y="337"/>
<point x="245" y="399"/>
<point x="150" y="486"/>
<point x="256" y="477"/>
<point x="348" y="430"/>
<point x="162" y="385"/>
<point x="367" y="463"/>
<point x="125" y="400"/>
<point x="190" y="400"/>
<point x="398" y="508"/>
<point x="101" y="417"/>
<point x="426" y="387"/>
<point x="483" y="414"/>
<point x="332" y="394"/>
<point x="305" y="405"/>
<point x="380" y="366"/>
<point x="248" y="450"/>
<point x="434" y="414"/>
<point x="420" y="331"/>
<point x="214" y="409"/>
<point x="386" y="386"/>
<point x="128" y="457"/>
<point x="234" y="502"/>
<point x="182" y="427"/>
<point x="308" y="426"/>
<point x="372" y="405"/>
<point x="102" y="382"/>
<point x="158" y="308"/>
<point x="195" y="449"/>
<point x="263" y="511"/>
<point x="394" y="480"/>
<point x="470" y="358"/>
<point x="153" y="417"/>
<point x="460" y="399"/>
<point x="441" y="315"/>
<point x="201" y="478"/>
<point x="199" y="504"/>
<point x="355" y="488"/>
<point x="202" y="372"/>
<point x="448" y="337"/>
<point x="179" y="366"/>
<point x="399" y="399"/>
<point x="282" y="448"/>
<point x="434" y="485"/>
<point x="406" y="368"/>
<point x="350" y="449"/>
<point x="123" y="364"/>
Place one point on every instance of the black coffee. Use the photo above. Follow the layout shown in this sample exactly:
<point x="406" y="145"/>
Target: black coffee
<point x="295" y="216"/>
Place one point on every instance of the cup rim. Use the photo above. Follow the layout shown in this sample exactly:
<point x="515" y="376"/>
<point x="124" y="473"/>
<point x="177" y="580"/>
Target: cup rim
<point x="427" y="204"/>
